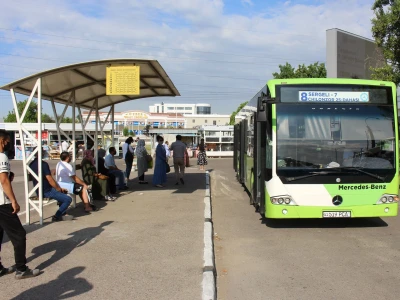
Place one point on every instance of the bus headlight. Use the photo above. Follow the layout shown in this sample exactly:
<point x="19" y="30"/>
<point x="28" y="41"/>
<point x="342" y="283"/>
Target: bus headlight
<point x="282" y="200"/>
<point x="388" y="199"/>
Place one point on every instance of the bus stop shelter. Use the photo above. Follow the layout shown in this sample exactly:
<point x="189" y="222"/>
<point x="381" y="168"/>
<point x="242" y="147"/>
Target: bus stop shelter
<point x="82" y="86"/>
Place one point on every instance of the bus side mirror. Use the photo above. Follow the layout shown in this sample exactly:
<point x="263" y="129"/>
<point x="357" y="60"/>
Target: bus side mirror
<point x="261" y="110"/>
<point x="262" y="113"/>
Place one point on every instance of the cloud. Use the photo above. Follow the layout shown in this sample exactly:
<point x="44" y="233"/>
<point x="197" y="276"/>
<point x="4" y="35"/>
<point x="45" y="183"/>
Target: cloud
<point x="247" y="2"/>
<point x="211" y="55"/>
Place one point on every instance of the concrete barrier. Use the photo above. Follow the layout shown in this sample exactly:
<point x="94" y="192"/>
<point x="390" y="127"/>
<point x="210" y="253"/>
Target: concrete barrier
<point x="209" y="279"/>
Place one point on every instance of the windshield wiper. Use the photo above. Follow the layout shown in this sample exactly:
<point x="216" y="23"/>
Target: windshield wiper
<point x="362" y="171"/>
<point x="336" y="170"/>
<point x="312" y="174"/>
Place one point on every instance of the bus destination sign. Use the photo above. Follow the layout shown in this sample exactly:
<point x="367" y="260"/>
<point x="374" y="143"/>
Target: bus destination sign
<point x="322" y="96"/>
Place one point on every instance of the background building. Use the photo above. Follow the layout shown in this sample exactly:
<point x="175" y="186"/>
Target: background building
<point x="180" y="108"/>
<point x="193" y="121"/>
<point x="218" y="140"/>
<point x="349" y="55"/>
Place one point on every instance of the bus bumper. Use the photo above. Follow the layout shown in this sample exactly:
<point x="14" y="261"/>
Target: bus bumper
<point x="315" y="212"/>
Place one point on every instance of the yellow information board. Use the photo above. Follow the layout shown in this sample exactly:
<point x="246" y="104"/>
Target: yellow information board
<point x="123" y="80"/>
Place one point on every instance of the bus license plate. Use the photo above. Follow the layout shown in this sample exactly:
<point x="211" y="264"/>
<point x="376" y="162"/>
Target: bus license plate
<point x="336" y="214"/>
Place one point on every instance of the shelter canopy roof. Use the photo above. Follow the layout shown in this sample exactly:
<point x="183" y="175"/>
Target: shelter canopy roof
<point x="88" y="80"/>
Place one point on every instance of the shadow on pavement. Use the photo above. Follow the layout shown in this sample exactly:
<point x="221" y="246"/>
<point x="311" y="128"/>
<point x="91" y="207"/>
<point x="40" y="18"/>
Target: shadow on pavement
<point x="67" y="285"/>
<point x="323" y="223"/>
<point x="62" y="248"/>
<point x="193" y="182"/>
<point x="79" y="210"/>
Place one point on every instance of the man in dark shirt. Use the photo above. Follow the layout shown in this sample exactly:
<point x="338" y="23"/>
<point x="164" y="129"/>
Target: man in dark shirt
<point x="52" y="190"/>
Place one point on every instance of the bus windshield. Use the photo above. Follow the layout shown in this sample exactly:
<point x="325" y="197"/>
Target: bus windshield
<point x="323" y="136"/>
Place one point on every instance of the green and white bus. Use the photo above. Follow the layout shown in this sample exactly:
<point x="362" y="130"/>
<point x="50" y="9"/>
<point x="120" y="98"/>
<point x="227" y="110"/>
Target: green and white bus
<point x="320" y="148"/>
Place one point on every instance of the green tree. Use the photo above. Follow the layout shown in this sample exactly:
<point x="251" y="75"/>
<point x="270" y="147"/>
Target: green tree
<point x="125" y="131"/>
<point x="315" y="70"/>
<point x="47" y="119"/>
<point x="66" y="120"/>
<point x="386" y="32"/>
<point x="30" y="116"/>
<point x="146" y="130"/>
<point x="233" y="115"/>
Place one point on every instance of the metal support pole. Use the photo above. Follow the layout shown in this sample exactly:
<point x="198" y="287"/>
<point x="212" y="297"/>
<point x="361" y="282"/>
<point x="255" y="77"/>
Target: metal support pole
<point x="97" y="124"/>
<point x="39" y="145"/>
<point x="73" y="141"/>
<point x="37" y="205"/>
<point x="112" y="125"/>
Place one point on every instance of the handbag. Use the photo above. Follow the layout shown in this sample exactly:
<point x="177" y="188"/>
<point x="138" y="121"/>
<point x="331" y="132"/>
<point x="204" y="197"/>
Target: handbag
<point x="167" y="168"/>
<point x="150" y="164"/>
<point x="129" y="156"/>
<point x="77" y="188"/>
<point x="149" y="158"/>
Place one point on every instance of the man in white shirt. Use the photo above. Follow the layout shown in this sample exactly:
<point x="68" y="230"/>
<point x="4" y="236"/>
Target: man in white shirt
<point x="9" y="221"/>
<point x="66" y="178"/>
<point x="109" y="163"/>
<point x="127" y="155"/>
<point x="64" y="146"/>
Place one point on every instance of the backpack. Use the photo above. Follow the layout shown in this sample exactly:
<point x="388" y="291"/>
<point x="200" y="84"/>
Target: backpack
<point x="129" y="155"/>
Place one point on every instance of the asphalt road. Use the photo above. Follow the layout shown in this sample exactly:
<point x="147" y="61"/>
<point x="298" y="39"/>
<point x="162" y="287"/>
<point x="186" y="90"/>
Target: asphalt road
<point x="298" y="259"/>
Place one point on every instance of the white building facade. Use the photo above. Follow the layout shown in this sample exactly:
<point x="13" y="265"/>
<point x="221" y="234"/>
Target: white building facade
<point x="218" y="140"/>
<point x="180" y="108"/>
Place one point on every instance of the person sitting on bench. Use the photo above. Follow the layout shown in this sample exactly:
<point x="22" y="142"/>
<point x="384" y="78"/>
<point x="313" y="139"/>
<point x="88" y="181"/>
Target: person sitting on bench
<point x="67" y="179"/>
<point x="109" y="163"/>
<point x="52" y="190"/>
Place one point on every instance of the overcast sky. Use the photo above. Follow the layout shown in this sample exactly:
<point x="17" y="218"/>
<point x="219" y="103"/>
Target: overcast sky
<point x="217" y="52"/>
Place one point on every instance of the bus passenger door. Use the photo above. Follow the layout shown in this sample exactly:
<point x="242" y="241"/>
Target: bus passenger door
<point x="235" y="147"/>
<point x="259" y="166"/>
<point x="242" y="171"/>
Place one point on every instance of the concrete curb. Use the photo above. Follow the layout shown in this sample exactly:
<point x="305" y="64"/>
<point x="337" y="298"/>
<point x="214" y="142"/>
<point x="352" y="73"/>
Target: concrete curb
<point x="209" y="284"/>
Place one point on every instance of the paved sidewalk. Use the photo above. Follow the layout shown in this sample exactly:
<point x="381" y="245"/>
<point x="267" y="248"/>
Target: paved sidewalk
<point x="146" y="245"/>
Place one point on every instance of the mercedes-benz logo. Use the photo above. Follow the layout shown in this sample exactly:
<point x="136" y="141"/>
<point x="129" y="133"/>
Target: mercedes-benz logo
<point x="337" y="200"/>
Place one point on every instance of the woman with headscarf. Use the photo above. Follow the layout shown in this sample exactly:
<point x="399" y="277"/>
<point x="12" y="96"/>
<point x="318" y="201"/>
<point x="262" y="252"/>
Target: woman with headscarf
<point x="160" y="169"/>
<point x="141" y="156"/>
<point x="90" y="176"/>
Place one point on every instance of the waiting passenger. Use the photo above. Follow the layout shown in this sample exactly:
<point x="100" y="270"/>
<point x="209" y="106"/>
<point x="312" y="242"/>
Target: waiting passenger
<point x="52" y="190"/>
<point x="109" y="163"/>
<point x="67" y="179"/>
